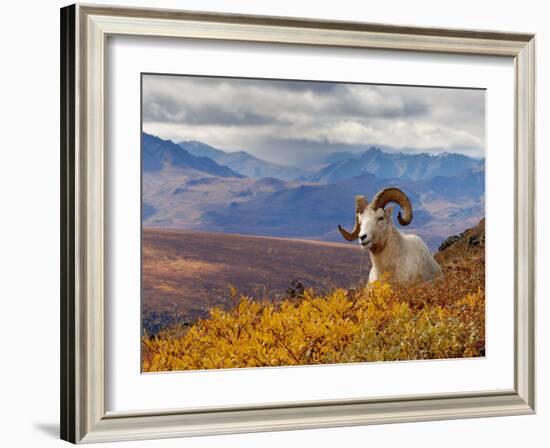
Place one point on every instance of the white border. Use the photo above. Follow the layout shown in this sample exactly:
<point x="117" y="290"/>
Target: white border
<point x="127" y="389"/>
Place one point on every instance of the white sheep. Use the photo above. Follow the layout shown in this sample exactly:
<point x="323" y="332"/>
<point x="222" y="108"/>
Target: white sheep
<point x="405" y="257"/>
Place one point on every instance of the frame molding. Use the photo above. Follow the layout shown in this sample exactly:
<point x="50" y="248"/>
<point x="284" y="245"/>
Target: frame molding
<point x="84" y="31"/>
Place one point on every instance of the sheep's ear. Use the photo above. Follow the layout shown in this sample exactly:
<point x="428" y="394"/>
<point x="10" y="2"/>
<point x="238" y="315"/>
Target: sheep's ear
<point x="388" y="212"/>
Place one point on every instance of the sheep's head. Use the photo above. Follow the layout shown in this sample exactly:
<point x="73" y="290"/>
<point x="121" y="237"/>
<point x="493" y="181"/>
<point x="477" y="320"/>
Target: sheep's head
<point x="372" y="221"/>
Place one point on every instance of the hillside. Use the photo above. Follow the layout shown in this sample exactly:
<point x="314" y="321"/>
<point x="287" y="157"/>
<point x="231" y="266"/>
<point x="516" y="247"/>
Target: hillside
<point x="381" y="321"/>
<point x="466" y="245"/>
<point x="183" y="200"/>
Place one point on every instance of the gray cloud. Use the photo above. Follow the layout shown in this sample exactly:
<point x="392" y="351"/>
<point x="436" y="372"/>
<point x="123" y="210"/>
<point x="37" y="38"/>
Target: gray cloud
<point x="277" y="119"/>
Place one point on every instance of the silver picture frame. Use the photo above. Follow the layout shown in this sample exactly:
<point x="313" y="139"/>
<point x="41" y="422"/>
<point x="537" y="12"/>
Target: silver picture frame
<point x="84" y="33"/>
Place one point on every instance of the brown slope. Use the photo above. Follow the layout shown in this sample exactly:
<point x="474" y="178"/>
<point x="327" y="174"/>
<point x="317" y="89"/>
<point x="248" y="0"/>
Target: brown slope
<point x="468" y="244"/>
<point x="186" y="272"/>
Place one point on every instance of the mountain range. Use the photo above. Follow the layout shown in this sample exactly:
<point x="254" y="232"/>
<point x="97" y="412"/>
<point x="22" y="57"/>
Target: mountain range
<point x="312" y="211"/>
<point x="187" y="186"/>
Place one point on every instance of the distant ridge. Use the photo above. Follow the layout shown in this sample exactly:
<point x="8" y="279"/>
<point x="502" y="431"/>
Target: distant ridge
<point x="387" y="165"/>
<point x="244" y="163"/>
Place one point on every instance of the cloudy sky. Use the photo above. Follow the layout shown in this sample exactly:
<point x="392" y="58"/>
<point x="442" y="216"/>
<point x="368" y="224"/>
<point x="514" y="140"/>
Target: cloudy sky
<point x="297" y="122"/>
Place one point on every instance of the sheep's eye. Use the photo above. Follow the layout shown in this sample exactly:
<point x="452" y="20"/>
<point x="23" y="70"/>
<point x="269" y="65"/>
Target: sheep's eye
<point x="380" y="218"/>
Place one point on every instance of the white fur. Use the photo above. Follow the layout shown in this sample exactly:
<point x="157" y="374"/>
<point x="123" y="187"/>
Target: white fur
<point x="404" y="257"/>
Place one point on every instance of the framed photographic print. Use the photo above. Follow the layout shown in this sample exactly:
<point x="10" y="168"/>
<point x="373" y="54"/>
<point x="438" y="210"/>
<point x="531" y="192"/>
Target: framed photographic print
<point x="278" y="223"/>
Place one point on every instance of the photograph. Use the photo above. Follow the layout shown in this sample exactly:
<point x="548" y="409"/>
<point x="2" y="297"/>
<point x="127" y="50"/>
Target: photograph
<point x="298" y="222"/>
<point x="292" y="221"/>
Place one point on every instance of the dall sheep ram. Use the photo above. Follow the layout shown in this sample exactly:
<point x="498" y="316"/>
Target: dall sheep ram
<point x="405" y="257"/>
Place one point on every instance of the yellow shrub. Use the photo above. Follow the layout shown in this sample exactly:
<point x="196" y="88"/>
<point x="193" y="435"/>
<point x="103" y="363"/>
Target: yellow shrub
<point x="378" y="322"/>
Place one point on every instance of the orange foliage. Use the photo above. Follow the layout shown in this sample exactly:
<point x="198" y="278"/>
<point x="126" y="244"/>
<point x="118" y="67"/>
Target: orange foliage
<point x="376" y="322"/>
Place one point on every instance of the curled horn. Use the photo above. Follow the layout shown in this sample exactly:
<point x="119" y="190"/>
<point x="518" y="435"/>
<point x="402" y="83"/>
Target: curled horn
<point x="394" y="195"/>
<point x="360" y="206"/>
